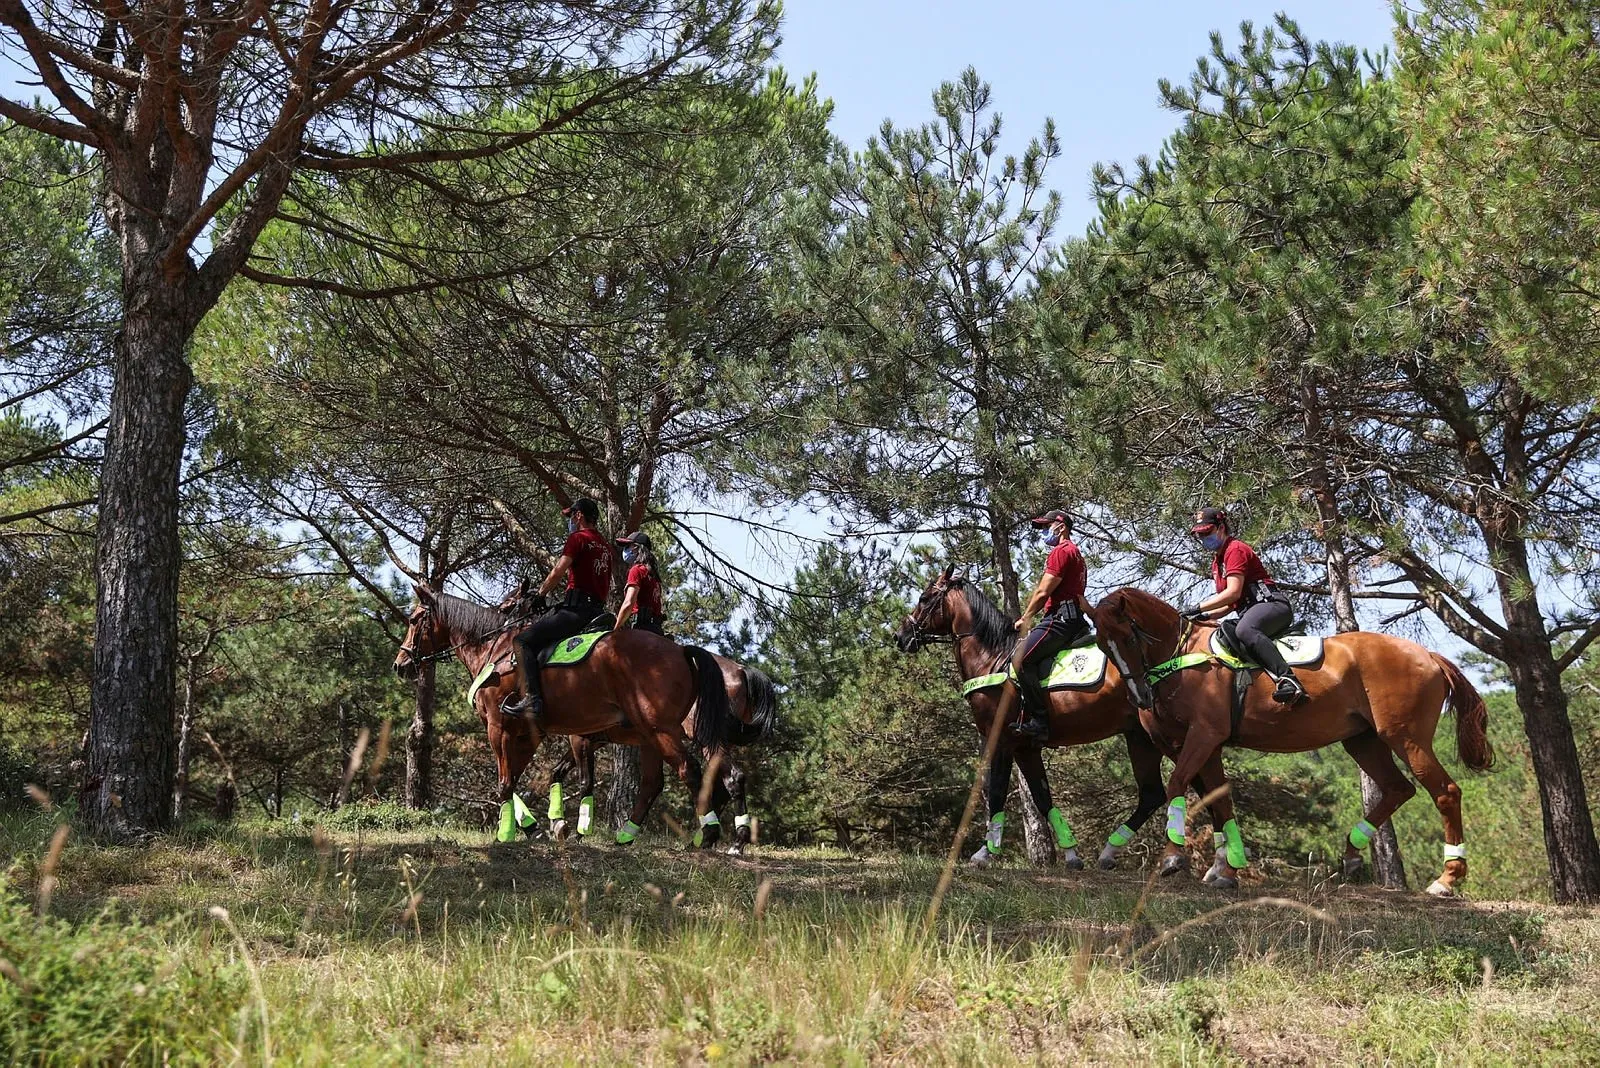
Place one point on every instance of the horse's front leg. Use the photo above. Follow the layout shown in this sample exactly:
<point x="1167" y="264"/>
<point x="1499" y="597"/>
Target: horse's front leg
<point x="1200" y="748"/>
<point x="1030" y="761"/>
<point x="586" y="791"/>
<point x="512" y="751"/>
<point x="999" y="784"/>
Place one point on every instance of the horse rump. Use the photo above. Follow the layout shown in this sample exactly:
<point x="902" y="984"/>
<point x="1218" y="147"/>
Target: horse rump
<point x="1472" y="717"/>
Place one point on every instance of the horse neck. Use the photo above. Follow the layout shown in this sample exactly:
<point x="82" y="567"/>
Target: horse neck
<point x="973" y="658"/>
<point x="1168" y="631"/>
<point x="473" y="649"/>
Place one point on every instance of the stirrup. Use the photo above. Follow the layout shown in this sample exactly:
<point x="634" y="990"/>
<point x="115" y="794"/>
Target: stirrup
<point x="1289" y="691"/>
<point x="523" y="706"/>
<point x="1032" y="727"/>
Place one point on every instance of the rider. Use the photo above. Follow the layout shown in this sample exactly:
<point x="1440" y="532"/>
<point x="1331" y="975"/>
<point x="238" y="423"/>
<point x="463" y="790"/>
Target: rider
<point x="1065" y="620"/>
<point x="586" y="565"/>
<point x="1244" y="584"/>
<point x="642" y="602"/>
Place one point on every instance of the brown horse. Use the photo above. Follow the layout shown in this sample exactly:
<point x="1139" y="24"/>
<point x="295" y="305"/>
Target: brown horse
<point x="754" y="701"/>
<point x="1372" y="693"/>
<point x="952" y="610"/>
<point x="635" y="687"/>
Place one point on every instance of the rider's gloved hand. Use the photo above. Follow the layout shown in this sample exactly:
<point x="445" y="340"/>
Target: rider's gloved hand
<point x="1195" y="611"/>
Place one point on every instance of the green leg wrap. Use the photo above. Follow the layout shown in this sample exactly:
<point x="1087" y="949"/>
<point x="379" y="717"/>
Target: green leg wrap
<point x="585" y="814"/>
<point x="630" y="831"/>
<point x="997" y="830"/>
<point x="1236" y="857"/>
<point x="508" y="823"/>
<point x="1177" y="820"/>
<point x="1362" y="834"/>
<point x="1120" y="837"/>
<point x="520" y="809"/>
<point x="1058" y="823"/>
<point x="557" y="808"/>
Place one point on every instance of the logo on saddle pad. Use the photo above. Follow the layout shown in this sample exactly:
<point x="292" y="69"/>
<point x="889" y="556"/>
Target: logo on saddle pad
<point x="573" y="650"/>
<point x="1298" y="650"/>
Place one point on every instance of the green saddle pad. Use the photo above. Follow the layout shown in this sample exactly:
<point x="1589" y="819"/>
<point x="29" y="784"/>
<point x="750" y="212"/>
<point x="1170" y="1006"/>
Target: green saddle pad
<point x="570" y="651"/>
<point x="1299" y="650"/>
<point x="1077" y="667"/>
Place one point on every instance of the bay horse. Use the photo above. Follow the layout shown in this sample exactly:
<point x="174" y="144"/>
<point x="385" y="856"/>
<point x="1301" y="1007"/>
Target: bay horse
<point x="1373" y="693"/>
<point x="754" y="702"/>
<point x="953" y="611"/>
<point x="635" y="687"/>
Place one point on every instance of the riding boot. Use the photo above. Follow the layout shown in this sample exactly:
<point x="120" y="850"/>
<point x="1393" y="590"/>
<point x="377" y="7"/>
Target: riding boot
<point x="1288" y="691"/>
<point x="531" y="703"/>
<point x="1033" y="725"/>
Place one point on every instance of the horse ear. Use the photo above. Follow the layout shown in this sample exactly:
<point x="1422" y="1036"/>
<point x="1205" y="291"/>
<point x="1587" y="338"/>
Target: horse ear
<point x="424" y="593"/>
<point x="950" y="565"/>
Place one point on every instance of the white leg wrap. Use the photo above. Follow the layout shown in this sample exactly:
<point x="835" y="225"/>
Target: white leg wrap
<point x="710" y="818"/>
<point x="585" y="815"/>
<point x="742" y="821"/>
<point x="1455" y="852"/>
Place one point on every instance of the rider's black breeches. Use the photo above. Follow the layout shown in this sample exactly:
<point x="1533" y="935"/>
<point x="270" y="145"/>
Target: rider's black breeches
<point x="1258" y="625"/>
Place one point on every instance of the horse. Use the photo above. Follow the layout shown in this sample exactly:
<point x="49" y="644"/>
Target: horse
<point x="754" y="701"/>
<point x="1372" y="693"/>
<point x="953" y="611"/>
<point x="635" y="687"/>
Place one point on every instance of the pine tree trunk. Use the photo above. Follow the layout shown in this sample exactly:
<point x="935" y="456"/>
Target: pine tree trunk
<point x="1568" y="828"/>
<point x="127" y="792"/>
<point x="624" y="789"/>
<point x="419" y="742"/>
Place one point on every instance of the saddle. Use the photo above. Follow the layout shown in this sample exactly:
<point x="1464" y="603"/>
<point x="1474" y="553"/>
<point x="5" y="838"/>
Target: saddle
<point x="1298" y="648"/>
<point x="1077" y="667"/>
<point x="569" y="652"/>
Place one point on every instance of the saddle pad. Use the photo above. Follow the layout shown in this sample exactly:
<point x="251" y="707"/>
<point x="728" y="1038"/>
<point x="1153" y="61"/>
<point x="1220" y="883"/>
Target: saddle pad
<point x="1299" y="650"/>
<point x="1082" y="667"/>
<point x="570" y="651"/>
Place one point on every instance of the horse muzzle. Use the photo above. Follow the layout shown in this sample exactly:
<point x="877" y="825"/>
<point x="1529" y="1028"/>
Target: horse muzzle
<point x="406" y="667"/>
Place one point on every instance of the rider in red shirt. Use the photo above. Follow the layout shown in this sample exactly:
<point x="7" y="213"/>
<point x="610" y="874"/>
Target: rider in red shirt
<point x="1244" y="584"/>
<point x="642" y="601"/>
<point x="585" y="571"/>
<point x="1060" y="595"/>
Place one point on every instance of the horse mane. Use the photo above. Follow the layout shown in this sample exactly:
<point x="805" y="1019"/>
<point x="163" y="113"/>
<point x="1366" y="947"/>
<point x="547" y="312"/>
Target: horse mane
<point x="991" y="626"/>
<point x="465" y="618"/>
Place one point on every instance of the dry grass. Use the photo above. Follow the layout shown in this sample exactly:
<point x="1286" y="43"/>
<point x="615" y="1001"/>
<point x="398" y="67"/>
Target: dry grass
<point x="401" y="947"/>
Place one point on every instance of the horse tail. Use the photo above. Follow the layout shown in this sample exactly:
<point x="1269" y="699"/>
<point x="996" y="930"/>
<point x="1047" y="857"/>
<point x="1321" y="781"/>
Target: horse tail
<point x="761" y="699"/>
<point x="713" y="715"/>
<point x="1472" y="718"/>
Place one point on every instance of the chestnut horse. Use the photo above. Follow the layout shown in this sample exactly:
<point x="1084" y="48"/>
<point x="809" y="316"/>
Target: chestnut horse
<point x="635" y="687"/>
<point x="952" y="610"/>
<point x="1372" y="693"/>
<point x="754" y="701"/>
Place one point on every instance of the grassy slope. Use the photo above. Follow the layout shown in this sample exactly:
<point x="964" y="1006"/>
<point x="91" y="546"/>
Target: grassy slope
<point x="531" y="954"/>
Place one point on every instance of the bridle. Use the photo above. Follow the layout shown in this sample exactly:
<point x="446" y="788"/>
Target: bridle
<point x="1143" y="639"/>
<point x="441" y="654"/>
<point x="920" y="637"/>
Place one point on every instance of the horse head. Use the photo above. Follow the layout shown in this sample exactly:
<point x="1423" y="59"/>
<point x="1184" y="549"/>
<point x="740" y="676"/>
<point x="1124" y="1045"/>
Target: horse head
<point x="1131" y="626"/>
<point x="424" y="635"/>
<point x="930" y="617"/>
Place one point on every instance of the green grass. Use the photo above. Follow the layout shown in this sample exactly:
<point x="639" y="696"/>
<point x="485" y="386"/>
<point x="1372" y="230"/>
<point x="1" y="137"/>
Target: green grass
<point x="524" y="954"/>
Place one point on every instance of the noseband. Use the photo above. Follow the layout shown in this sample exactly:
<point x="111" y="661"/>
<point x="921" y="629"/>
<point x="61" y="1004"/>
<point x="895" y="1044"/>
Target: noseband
<point x="919" y="619"/>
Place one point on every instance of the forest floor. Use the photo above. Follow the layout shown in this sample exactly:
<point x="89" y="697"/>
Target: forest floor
<point x="436" y="945"/>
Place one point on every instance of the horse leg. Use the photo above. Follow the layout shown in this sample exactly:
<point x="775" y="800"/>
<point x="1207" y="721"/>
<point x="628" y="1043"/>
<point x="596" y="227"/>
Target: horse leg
<point x="999" y="783"/>
<point x="512" y="754"/>
<point x="733" y="780"/>
<point x="1394" y="790"/>
<point x="709" y="831"/>
<point x="1230" y="857"/>
<point x="586" y="793"/>
<point x="649" y="790"/>
<point x="1146" y="761"/>
<point x="1447" y="799"/>
<point x="1200" y="748"/>
<point x="1030" y="762"/>
<point x="556" y="813"/>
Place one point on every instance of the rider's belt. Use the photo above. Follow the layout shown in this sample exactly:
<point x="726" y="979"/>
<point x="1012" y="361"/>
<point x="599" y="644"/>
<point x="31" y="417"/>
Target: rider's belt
<point x="579" y="601"/>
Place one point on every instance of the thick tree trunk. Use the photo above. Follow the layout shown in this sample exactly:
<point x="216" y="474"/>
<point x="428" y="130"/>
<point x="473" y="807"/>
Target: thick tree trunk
<point x="128" y="783"/>
<point x="419" y="742"/>
<point x="624" y="790"/>
<point x="1568" y="828"/>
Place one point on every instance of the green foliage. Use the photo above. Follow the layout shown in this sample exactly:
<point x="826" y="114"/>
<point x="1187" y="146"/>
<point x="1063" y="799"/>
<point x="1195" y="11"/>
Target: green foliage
<point x="107" y="991"/>
<point x="380" y="816"/>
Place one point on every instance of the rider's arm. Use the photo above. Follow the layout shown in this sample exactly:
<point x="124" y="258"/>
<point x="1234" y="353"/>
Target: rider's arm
<point x="1221" y="604"/>
<point x="630" y="601"/>
<point x="1041" y="592"/>
<point x="557" y="573"/>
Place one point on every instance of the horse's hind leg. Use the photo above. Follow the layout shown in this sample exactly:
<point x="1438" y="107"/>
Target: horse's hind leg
<point x="1394" y="790"/>
<point x="709" y="831"/>
<point x="586" y="791"/>
<point x="733" y="779"/>
<point x="1030" y="761"/>
<point x="649" y="790"/>
<point x="1447" y="799"/>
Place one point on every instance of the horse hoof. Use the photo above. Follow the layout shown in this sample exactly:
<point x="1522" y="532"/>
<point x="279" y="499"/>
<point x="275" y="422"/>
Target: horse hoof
<point x="736" y="850"/>
<point x="1173" y="864"/>
<point x="1108" y="860"/>
<point x="558" y="831"/>
<point x="1212" y="874"/>
<point x="1438" y="889"/>
<point x="1352" y="867"/>
<point x="982" y="858"/>
<point x="1074" y="862"/>
<point x="1225" y="882"/>
<point x="708" y="839"/>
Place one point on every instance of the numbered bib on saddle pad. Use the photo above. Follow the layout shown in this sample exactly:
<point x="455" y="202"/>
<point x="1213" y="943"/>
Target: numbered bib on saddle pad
<point x="1299" y="650"/>
<point x="570" y="651"/>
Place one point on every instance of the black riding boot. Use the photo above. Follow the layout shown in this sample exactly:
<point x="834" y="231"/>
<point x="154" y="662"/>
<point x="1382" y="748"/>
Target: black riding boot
<point x="1034" y="724"/>
<point x="1288" y="691"/>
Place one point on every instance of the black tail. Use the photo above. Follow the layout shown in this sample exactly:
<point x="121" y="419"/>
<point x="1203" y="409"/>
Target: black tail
<point x="714" y="716"/>
<point x="762" y="698"/>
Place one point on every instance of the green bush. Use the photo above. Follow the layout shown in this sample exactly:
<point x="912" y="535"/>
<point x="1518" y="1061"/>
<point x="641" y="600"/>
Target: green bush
<point x="381" y="816"/>
<point x="109" y="992"/>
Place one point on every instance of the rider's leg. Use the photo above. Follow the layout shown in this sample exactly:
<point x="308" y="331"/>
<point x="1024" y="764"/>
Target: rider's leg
<point x="1258" y="625"/>
<point x="1039" y="652"/>
<point x="551" y="627"/>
